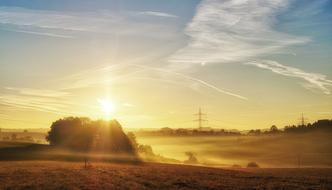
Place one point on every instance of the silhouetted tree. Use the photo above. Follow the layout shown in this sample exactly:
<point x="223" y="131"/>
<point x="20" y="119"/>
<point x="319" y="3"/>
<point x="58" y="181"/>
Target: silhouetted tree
<point x="112" y="138"/>
<point x="84" y="134"/>
<point x="255" y="132"/>
<point x="72" y="132"/>
<point x="274" y="129"/>
<point x="323" y="125"/>
<point x="132" y="138"/>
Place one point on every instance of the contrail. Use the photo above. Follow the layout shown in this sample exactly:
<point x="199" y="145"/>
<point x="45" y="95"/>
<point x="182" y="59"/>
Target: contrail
<point x="144" y="68"/>
<point x="194" y="79"/>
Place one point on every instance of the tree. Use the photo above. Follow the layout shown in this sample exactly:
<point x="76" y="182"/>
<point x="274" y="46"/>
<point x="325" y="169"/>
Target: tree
<point x="72" y="133"/>
<point x="255" y="132"/>
<point x="274" y="129"/>
<point x="132" y="138"/>
<point x="84" y="134"/>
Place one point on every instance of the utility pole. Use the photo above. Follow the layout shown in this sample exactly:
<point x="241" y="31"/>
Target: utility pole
<point x="200" y="119"/>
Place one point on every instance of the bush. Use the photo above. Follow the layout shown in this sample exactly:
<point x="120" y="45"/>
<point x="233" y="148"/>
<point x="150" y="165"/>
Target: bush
<point x="252" y="165"/>
<point x="191" y="158"/>
<point x="236" y="166"/>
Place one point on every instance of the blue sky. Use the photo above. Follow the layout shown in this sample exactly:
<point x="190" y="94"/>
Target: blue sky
<point x="158" y="61"/>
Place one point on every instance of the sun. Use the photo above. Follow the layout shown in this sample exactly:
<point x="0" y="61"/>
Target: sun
<point x="106" y="106"/>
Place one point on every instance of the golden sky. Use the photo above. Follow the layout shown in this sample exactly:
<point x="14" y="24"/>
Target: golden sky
<point x="150" y="65"/>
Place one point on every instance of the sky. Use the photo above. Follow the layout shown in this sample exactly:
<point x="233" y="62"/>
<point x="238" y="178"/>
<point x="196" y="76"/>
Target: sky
<point x="151" y="64"/>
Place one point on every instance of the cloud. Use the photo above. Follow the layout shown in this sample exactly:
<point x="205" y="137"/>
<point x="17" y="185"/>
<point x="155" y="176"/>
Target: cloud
<point x="33" y="103"/>
<point x="314" y="80"/>
<point x="49" y="19"/>
<point x="234" y="31"/>
<point x="121" y="72"/>
<point x="240" y="31"/>
<point x="68" y="24"/>
<point x="100" y="76"/>
<point x="158" y="14"/>
<point x="189" y="78"/>
<point x="39" y="92"/>
<point x="39" y="33"/>
<point x="51" y="101"/>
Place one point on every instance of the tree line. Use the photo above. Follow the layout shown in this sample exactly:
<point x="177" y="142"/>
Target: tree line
<point x="324" y="125"/>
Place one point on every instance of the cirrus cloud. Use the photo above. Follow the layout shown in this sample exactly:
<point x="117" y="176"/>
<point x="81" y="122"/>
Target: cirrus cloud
<point x="313" y="80"/>
<point x="233" y="31"/>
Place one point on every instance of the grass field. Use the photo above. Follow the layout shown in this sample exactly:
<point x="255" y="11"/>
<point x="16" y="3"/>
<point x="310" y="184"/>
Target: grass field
<point x="72" y="175"/>
<point x="66" y="171"/>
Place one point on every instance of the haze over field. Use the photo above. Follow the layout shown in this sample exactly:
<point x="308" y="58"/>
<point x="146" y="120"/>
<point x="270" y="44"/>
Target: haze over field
<point x="267" y="151"/>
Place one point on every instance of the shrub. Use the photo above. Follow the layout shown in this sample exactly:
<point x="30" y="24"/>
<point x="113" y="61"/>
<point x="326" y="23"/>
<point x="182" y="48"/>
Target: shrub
<point x="236" y="166"/>
<point x="191" y="158"/>
<point x="252" y="165"/>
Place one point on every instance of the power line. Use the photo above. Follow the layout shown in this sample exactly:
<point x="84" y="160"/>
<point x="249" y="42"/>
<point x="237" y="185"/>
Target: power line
<point x="200" y="118"/>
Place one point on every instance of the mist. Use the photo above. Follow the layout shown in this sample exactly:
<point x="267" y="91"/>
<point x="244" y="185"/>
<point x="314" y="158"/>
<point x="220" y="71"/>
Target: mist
<point x="285" y="150"/>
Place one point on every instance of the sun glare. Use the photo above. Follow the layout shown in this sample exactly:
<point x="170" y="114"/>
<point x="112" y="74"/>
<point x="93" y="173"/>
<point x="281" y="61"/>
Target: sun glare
<point x="106" y="106"/>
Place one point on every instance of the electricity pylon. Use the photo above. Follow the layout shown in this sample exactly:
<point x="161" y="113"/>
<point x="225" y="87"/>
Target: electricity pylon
<point x="302" y="120"/>
<point x="200" y="118"/>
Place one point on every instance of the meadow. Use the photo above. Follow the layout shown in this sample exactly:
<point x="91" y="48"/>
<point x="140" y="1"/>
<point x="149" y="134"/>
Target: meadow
<point x="72" y="175"/>
<point x="38" y="166"/>
<point x="293" y="150"/>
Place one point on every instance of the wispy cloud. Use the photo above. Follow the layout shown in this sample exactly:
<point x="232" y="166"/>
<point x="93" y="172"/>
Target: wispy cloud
<point x="40" y="100"/>
<point x="106" y="75"/>
<point x="68" y="24"/>
<point x="49" y="34"/>
<point x="33" y="103"/>
<point x="233" y="31"/>
<point x="158" y="14"/>
<point x="39" y="92"/>
<point x="123" y="72"/>
<point x="201" y="82"/>
<point x="241" y="31"/>
<point x="314" y="80"/>
<point x="47" y="19"/>
<point x="51" y="101"/>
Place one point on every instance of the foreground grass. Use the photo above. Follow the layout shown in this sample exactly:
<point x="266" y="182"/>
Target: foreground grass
<point x="72" y="175"/>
